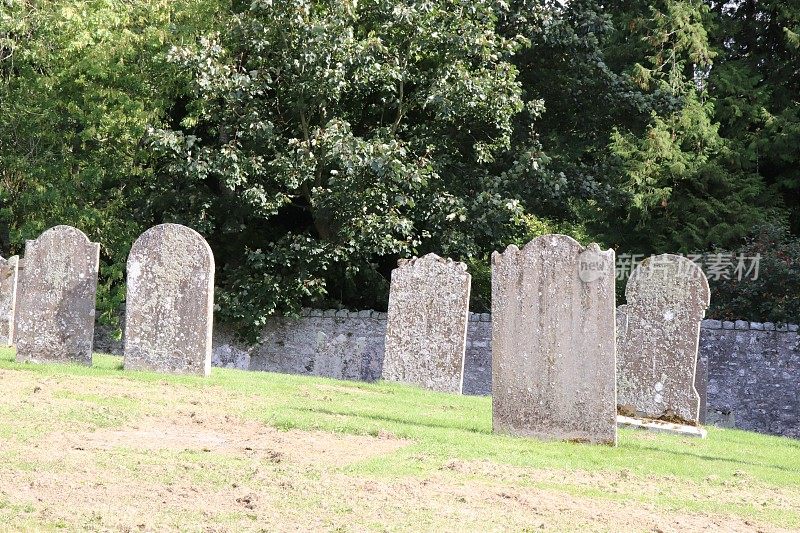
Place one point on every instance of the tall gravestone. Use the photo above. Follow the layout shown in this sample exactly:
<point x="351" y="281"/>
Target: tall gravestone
<point x="56" y="309"/>
<point x="553" y="351"/>
<point x="9" y="271"/>
<point x="426" y="331"/>
<point x="667" y="297"/>
<point x="170" y="302"/>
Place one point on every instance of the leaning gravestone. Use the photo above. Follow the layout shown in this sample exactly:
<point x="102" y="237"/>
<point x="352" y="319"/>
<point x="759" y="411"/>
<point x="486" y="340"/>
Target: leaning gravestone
<point x="657" y="344"/>
<point x="553" y="352"/>
<point x="426" y="331"/>
<point x="56" y="309"/>
<point x="170" y="302"/>
<point x="9" y="271"/>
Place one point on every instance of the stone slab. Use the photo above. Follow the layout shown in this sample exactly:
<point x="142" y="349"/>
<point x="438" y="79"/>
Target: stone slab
<point x="659" y="426"/>
<point x="657" y="346"/>
<point x="56" y="308"/>
<point x="426" y="329"/>
<point x="9" y="274"/>
<point x="553" y="341"/>
<point x="170" y="302"/>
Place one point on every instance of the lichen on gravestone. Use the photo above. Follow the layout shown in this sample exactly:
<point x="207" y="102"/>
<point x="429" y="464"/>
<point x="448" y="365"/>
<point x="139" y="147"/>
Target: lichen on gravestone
<point x="427" y="323"/>
<point x="553" y="352"/>
<point x="170" y="302"/>
<point x="9" y="274"/>
<point x="657" y="346"/>
<point x="56" y="309"/>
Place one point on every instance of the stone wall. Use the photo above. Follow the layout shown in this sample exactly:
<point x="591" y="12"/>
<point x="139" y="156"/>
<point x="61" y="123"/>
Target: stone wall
<point x="344" y="345"/>
<point x="753" y="375"/>
<point x="753" y="368"/>
<point x="478" y="358"/>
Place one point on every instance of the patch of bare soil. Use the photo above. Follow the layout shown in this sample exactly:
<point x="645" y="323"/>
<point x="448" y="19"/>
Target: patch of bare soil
<point x="237" y="437"/>
<point x="139" y="477"/>
<point x="739" y="491"/>
<point x="501" y="508"/>
<point x="183" y="463"/>
<point x="257" y="477"/>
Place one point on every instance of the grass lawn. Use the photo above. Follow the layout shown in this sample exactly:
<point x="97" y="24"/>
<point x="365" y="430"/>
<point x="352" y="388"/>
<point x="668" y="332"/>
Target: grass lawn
<point x="102" y="449"/>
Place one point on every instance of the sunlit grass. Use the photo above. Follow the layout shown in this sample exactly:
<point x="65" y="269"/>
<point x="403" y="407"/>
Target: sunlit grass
<point x="440" y="428"/>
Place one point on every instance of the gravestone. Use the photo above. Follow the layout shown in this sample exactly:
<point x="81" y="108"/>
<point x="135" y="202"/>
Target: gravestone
<point x="553" y="352"/>
<point x="170" y="302"/>
<point x="56" y="308"/>
<point x="426" y="331"/>
<point x="9" y="272"/>
<point x="667" y="297"/>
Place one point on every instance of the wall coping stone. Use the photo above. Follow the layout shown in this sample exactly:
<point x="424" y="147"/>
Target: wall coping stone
<point x="741" y="325"/>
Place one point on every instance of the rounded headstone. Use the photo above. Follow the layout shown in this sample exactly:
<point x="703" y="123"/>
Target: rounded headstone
<point x="170" y="302"/>
<point x="56" y="309"/>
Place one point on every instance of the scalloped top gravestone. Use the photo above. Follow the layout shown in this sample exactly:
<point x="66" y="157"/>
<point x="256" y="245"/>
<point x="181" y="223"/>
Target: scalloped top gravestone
<point x="170" y="302"/>
<point x="553" y="349"/>
<point x="426" y="331"/>
<point x="56" y="308"/>
<point x="9" y="271"/>
<point x="657" y="344"/>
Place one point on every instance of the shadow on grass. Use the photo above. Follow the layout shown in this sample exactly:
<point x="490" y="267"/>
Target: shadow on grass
<point x="118" y="366"/>
<point x="384" y="418"/>
<point x="684" y="453"/>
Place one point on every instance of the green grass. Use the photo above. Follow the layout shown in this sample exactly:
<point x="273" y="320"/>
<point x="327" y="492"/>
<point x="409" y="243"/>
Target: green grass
<point x="441" y="428"/>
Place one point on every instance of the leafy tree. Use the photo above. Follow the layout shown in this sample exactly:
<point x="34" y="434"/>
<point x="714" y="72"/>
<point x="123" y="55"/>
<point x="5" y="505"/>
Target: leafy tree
<point x="775" y="293"/>
<point x="314" y="143"/>
<point x="629" y="126"/>
<point x="322" y="140"/>
<point x="757" y="86"/>
<point x="80" y="81"/>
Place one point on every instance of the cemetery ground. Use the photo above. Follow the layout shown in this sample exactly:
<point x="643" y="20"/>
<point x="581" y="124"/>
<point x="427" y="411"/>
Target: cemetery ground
<point x="102" y="449"/>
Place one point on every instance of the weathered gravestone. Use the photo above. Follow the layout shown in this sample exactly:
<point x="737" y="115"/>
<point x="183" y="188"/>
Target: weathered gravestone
<point x="553" y="352"/>
<point x="170" y="302"/>
<point x="9" y="271"/>
<point x="657" y="343"/>
<point x="426" y="331"/>
<point x="56" y="308"/>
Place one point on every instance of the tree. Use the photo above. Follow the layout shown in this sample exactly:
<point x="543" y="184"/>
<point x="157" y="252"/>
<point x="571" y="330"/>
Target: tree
<point x="80" y="82"/>
<point x="315" y="143"/>
<point x="629" y="125"/>
<point x="322" y="140"/>
<point x="772" y="292"/>
<point x="757" y="86"/>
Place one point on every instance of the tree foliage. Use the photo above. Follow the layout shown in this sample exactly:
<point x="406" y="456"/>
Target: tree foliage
<point x="322" y="140"/>
<point x="313" y="143"/>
